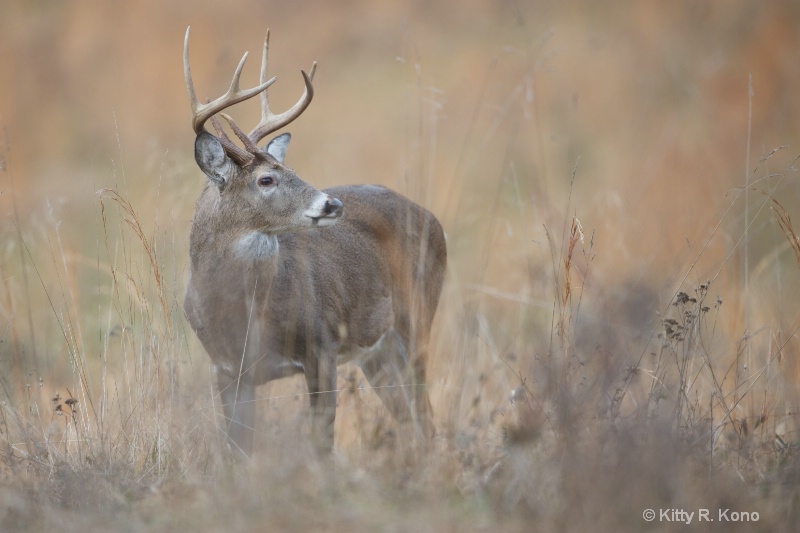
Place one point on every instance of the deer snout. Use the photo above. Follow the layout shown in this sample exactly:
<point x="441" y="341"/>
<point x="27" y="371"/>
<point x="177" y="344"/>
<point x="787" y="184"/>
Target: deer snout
<point x="325" y="211"/>
<point x="333" y="207"/>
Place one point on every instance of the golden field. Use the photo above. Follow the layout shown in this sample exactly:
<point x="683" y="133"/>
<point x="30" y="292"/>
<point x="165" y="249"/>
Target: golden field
<point x="617" y="331"/>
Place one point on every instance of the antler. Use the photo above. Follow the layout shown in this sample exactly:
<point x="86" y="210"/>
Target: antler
<point x="202" y="112"/>
<point x="270" y="122"/>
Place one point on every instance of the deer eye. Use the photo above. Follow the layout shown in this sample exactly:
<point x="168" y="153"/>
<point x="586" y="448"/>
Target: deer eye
<point x="266" y="181"/>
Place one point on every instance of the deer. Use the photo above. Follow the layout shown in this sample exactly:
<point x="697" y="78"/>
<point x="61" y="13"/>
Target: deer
<point x="286" y="278"/>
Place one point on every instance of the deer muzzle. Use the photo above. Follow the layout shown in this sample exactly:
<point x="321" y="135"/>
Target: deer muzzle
<point x="329" y="212"/>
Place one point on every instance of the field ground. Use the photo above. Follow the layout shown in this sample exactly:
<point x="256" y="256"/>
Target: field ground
<point x="618" y="328"/>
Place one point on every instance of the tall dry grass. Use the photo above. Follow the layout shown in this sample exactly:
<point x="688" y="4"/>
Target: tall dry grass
<point x="116" y="426"/>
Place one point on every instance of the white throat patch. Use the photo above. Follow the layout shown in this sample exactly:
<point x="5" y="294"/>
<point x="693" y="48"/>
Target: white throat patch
<point x="257" y="246"/>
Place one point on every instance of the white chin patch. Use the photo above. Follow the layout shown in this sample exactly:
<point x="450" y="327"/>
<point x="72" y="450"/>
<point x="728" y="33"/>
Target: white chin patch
<point x="322" y="222"/>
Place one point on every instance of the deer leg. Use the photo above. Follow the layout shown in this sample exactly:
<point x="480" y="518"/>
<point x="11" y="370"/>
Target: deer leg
<point x="423" y="412"/>
<point x="238" y="405"/>
<point x="321" y="381"/>
<point x="400" y="386"/>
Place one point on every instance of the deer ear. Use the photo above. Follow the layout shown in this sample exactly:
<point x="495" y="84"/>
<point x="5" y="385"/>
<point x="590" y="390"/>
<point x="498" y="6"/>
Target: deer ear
<point x="277" y="146"/>
<point x="212" y="160"/>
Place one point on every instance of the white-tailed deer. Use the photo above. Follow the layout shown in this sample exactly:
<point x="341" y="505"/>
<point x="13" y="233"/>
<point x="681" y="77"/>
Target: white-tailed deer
<point x="286" y="278"/>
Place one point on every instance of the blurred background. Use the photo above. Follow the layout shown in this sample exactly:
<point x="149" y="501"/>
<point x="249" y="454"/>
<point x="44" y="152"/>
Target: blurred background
<point x="654" y="124"/>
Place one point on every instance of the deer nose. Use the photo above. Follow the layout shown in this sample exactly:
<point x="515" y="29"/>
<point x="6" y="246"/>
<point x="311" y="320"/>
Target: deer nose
<point x="333" y="207"/>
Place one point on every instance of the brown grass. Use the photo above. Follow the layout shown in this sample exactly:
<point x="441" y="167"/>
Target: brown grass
<point x="618" y="330"/>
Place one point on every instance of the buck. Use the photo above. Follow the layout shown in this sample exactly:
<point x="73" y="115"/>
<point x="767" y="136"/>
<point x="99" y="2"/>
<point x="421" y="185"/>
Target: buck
<point x="286" y="278"/>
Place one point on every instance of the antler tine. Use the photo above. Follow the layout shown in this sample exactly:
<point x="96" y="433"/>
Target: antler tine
<point x="248" y="143"/>
<point x="269" y="121"/>
<point x="239" y="154"/>
<point x="202" y="112"/>
<point x="264" y="97"/>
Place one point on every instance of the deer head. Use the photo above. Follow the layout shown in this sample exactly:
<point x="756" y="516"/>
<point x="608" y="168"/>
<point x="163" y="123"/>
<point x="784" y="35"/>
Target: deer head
<point x="258" y="192"/>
